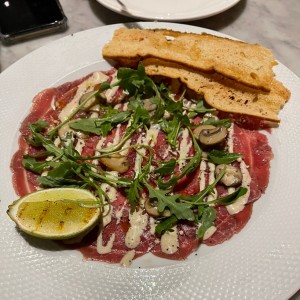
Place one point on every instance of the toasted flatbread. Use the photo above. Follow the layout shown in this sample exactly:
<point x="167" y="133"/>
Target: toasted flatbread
<point x="225" y="94"/>
<point x="250" y="64"/>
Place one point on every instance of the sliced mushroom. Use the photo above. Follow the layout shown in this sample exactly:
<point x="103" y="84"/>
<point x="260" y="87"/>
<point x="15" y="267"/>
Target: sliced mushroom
<point x="210" y="135"/>
<point x="148" y="105"/>
<point x="199" y="128"/>
<point x="91" y="102"/>
<point x="116" y="162"/>
<point x="151" y="209"/>
<point x="233" y="176"/>
<point x="95" y="109"/>
<point x="65" y="130"/>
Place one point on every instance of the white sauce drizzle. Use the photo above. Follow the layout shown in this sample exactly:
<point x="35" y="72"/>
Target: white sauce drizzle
<point x="150" y="138"/>
<point x="101" y="249"/>
<point x="79" y="146"/>
<point x="184" y="147"/>
<point x="202" y="175"/>
<point x="100" y="143"/>
<point x="209" y="232"/>
<point x="211" y="179"/>
<point x="138" y="222"/>
<point x="117" y="106"/>
<point x="127" y="258"/>
<point x="138" y="159"/>
<point x="94" y="115"/>
<point x="166" y="153"/>
<point x="239" y="205"/>
<point x="57" y="142"/>
<point x="104" y="249"/>
<point x="116" y="137"/>
<point x="169" y="241"/>
<point x="84" y="87"/>
<point x="128" y="142"/>
<point x="106" y="219"/>
<point x="119" y="213"/>
<point x="152" y="225"/>
<point x="230" y="139"/>
<point x="110" y="93"/>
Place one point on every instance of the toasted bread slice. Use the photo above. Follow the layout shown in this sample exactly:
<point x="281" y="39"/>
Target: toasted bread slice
<point x="225" y="94"/>
<point x="250" y="64"/>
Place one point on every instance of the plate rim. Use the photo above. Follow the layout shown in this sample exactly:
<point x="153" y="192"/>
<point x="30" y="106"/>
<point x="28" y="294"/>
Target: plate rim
<point x="139" y="14"/>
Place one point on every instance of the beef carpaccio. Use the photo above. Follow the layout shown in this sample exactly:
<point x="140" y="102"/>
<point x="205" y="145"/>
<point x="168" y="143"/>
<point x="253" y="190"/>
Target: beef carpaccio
<point x="170" y="173"/>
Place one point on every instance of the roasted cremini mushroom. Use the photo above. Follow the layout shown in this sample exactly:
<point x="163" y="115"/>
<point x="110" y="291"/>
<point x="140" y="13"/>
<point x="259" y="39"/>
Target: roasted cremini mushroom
<point x="151" y="209"/>
<point x="116" y="162"/>
<point x="90" y="102"/>
<point x="149" y="106"/>
<point x="210" y="135"/>
<point x="233" y="176"/>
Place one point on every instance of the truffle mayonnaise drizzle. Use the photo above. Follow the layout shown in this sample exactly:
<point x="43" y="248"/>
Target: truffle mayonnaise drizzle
<point x="211" y="179"/>
<point x="80" y="145"/>
<point x="148" y="138"/>
<point x="138" y="222"/>
<point x="111" y="192"/>
<point x="239" y="205"/>
<point x="184" y="147"/>
<point x="209" y="232"/>
<point x="84" y="87"/>
<point x="127" y="258"/>
<point x="169" y="241"/>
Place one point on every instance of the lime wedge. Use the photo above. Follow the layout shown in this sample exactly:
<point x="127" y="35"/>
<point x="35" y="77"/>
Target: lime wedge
<point x="58" y="213"/>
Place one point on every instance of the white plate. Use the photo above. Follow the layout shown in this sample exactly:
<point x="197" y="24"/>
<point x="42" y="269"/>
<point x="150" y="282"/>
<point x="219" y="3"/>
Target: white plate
<point x="168" y="10"/>
<point x="261" y="262"/>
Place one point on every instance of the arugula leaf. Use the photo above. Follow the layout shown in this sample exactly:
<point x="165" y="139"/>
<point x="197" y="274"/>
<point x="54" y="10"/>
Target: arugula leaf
<point x="198" y="198"/>
<point x="114" y="116"/>
<point x="165" y="225"/>
<point x="208" y="216"/>
<point x="166" y="168"/>
<point x="103" y="87"/>
<point x="180" y="210"/>
<point x="54" y="182"/>
<point x="38" y="126"/>
<point x="221" y="157"/>
<point x="135" y="82"/>
<point x="101" y="126"/>
<point x="221" y="122"/>
<point x="160" y="108"/>
<point x="32" y="164"/>
<point x="46" y="142"/>
<point x="69" y="151"/>
<point x="174" y="106"/>
<point x="189" y="167"/>
<point x="140" y="117"/>
<point x="231" y="198"/>
<point x="201" y="108"/>
<point x="171" y="128"/>
<point x="133" y="193"/>
<point x="63" y="170"/>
